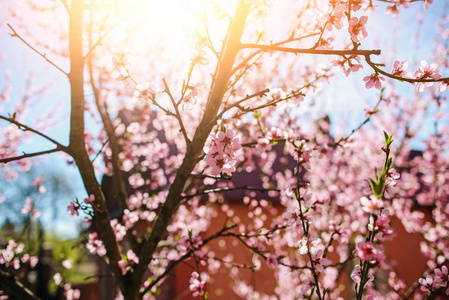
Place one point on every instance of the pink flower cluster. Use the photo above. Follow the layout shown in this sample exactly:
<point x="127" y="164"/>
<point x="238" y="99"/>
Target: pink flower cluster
<point x="399" y="69"/>
<point x="356" y="274"/>
<point x="292" y="216"/>
<point x="196" y="285"/>
<point x="373" y="81"/>
<point x="73" y="208"/>
<point x="191" y="98"/>
<point x="381" y="225"/>
<point x="371" y="205"/>
<point x="9" y="257"/>
<point x="439" y="280"/>
<point x="319" y="261"/>
<point x="221" y="154"/>
<point x="357" y="28"/>
<point x="312" y="245"/>
<point x="28" y="208"/>
<point x="131" y="259"/>
<point x="190" y="243"/>
<point x="145" y="92"/>
<point x="367" y="252"/>
<point x="346" y="65"/>
<point x="95" y="245"/>
<point x="426" y="71"/>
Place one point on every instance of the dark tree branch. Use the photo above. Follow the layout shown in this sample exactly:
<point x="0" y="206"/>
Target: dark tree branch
<point x="15" y="34"/>
<point x="77" y="146"/>
<point x="14" y="288"/>
<point x="245" y="61"/>
<point x="268" y="48"/>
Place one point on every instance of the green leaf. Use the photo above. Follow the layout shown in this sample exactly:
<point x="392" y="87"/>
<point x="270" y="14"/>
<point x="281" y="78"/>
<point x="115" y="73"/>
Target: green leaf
<point x="386" y="137"/>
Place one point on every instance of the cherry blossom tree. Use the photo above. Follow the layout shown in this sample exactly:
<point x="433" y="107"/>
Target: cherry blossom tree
<point x="179" y="133"/>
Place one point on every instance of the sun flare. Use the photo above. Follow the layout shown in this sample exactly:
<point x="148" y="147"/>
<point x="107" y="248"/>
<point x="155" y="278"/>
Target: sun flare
<point x="177" y="21"/>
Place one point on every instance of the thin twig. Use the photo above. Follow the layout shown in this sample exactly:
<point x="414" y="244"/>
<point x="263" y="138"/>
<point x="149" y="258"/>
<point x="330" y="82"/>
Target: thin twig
<point x="101" y="38"/>
<point x="237" y="103"/>
<point x="211" y="46"/>
<point x="15" y="34"/>
<point x="26" y="128"/>
<point x="375" y="110"/>
<point x="219" y="190"/>
<point x="28" y="155"/>
<point x="66" y="6"/>
<point x="99" y="151"/>
<point x="178" y="115"/>
<point x="411" y="80"/>
<point x="185" y="256"/>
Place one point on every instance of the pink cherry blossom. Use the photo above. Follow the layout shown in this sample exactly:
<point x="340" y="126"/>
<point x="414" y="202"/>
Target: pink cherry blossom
<point x="399" y="69"/>
<point x="356" y="5"/>
<point x="311" y="245"/>
<point x="38" y="181"/>
<point x="346" y="65"/>
<point x="319" y="261"/>
<point x="67" y="263"/>
<point x="292" y="216"/>
<point x="57" y="278"/>
<point x="191" y="98"/>
<point x="382" y="224"/>
<point x="357" y="28"/>
<point x="392" y="10"/>
<point x="442" y="276"/>
<point x="442" y="86"/>
<point x="326" y="44"/>
<point x="272" y="261"/>
<point x="123" y="266"/>
<point x="427" y="284"/>
<point x="373" y="81"/>
<point x="71" y="294"/>
<point x="275" y="182"/>
<point x="28" y="207"/>
<point x="95" y="246"/>
<point x="73" y="208"/>
<point x="426" y="71"/>
<point x="90" y="199"/>
<point x="371" y="205"/>
<point x="190" y="243"/>
<point x="131" y="259"/>
<point x="356" y="274"/>
<point x="366" y="251"/>
<point x="196" y="285"/>
<point x="221" y="155"/>
<point x="334" y="19"/>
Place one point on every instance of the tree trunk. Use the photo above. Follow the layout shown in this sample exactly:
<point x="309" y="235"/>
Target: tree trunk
<point x="77" y="148"/>
<point x="230" y="48"/>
